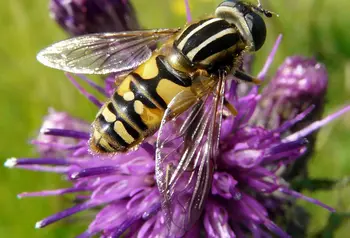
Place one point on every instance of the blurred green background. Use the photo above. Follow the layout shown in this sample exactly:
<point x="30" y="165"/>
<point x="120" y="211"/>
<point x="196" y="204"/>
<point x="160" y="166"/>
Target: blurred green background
<point x="310" y="27"/>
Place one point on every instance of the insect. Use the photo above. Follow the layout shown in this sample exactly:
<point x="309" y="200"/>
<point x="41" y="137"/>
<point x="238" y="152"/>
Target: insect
<point x="186" y="76"/>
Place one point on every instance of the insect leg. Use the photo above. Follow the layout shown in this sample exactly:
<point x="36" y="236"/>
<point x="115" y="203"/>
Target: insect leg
<point x="200" y="73"/>
<point x="246" y="77"/>
<point x="168" y="173"/>
<point x="230" y="107"/>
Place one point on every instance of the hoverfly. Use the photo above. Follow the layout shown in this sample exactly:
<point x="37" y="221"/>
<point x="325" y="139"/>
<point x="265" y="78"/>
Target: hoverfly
<point x="185" y="76"/>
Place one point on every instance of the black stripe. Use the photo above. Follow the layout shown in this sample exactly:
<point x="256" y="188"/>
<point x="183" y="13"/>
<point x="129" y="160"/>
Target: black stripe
<point x="139" y="95"/>
<point x="203" y="34"/>
<point x="128" y="128"/>
<point x="189" y="29"/>
<point x="128" y="108"/>
<point x="115" y="147"/>
<point x="107" y="129"/>
<point x="169" y="73"/>
<point x="218" y="45"/>
<point x="100" y="147"/>
<point x="149" y="86"/>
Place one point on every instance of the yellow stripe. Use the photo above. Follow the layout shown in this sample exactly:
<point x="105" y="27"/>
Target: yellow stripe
<point x="108" y="115"/>
<point x="122" y="132"/>
<point x="104" y="143"/>
<point x="149" y="69"/>
<point x="97" y="135"/>
<point x="138" y="107"/>
<point x="167" y="90"/>
<point x="129" y="96"/>
<point x="194" y="51"/>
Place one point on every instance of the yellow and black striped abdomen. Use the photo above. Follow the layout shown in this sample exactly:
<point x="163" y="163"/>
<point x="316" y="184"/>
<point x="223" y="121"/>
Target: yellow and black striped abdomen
<point x="137" y="106"/>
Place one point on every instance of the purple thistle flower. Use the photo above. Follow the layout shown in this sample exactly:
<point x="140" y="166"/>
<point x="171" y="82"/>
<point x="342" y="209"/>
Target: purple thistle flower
<point x="247" y="191"/>
<point x="299" y="83"/>
<point x="47" y="144"/>
<point x="79" y="17"/>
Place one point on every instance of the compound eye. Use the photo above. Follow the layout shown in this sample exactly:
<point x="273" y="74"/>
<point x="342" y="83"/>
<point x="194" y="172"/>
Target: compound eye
<point x="230" y="3"/>
<point x="257" y="29"/>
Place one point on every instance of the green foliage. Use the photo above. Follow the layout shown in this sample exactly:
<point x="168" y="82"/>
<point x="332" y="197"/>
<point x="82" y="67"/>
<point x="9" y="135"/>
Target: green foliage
<point x="310" y="27"/>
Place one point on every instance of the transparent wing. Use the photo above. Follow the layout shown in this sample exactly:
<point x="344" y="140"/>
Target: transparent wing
<point x="185" y="156"/>
<point x="103" y="53"/>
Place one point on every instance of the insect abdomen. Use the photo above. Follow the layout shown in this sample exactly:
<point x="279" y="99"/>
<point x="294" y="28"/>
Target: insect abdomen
<point x="137" y="106"/>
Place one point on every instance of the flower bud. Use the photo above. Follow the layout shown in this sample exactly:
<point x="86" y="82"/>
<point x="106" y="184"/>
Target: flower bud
<point x="79" y="17"/>
<point x="299" y="83"/>
<point x="53" y="146"/>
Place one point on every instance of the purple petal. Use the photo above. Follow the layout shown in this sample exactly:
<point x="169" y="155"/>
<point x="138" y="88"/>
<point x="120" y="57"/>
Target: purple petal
<point x="188" y="11"/>
<point x="154" y="227"/>
<point x="216" y="221"/>
<point x="223" y="184"/>
<point x="65" y="213"/>
<point x="311" y="200"/>
<point x="97" y="171"/>
<point x="316" y="125"/>
<point x="89" y="96"/>
<point x="57" y="192"/>
<point x="94" y="85"/>
<point x="13" y="162"/>
<point x="270" y="58"/>
<point x="243" y="158"/>
<point x="66" y="133"/>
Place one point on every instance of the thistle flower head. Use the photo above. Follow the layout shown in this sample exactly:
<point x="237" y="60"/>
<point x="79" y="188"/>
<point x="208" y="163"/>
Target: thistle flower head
<point x="79" y="17"/>
<point x="47" y="145"/>
<point x="246" y="195"/>
<point x="298" y="83"/>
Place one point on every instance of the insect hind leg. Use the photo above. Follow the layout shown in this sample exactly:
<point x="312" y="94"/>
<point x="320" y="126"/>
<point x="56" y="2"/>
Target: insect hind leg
<point x="169" y="172"/>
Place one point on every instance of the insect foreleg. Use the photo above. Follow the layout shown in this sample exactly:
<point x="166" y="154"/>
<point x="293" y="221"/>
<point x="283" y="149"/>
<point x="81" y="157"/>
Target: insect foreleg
<point x="230" y="107"/>
<point x="246" y="77"/>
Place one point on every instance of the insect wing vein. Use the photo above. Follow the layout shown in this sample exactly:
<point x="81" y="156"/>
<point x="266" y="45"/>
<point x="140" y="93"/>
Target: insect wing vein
<point x="185" y="158"/>
<point x="103" y="53"/>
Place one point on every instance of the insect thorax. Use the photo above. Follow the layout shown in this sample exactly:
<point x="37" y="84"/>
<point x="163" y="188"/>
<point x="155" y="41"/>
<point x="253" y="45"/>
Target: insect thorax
<point x="210" y="42"/>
